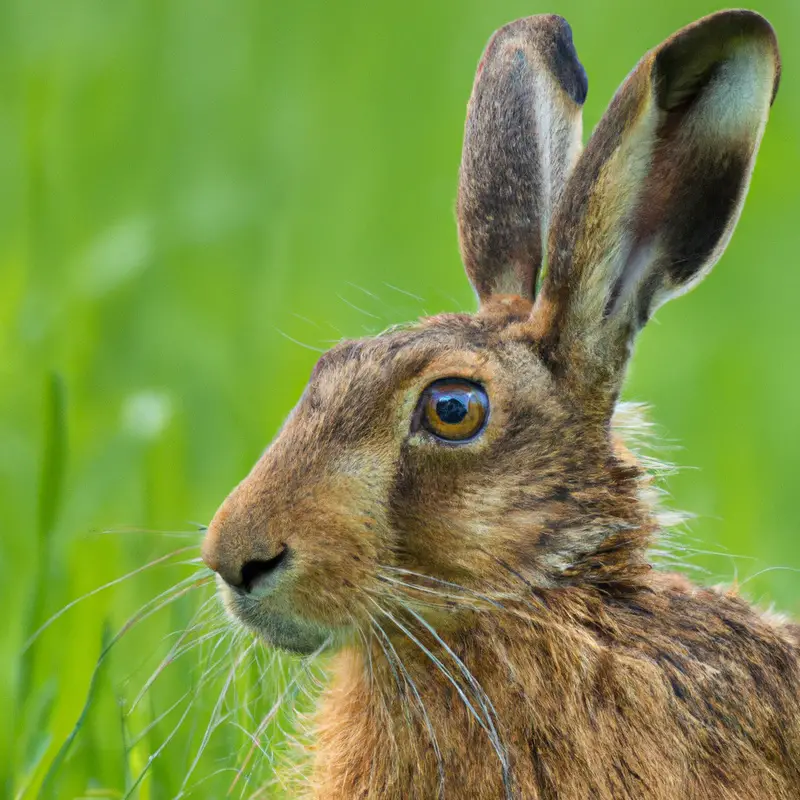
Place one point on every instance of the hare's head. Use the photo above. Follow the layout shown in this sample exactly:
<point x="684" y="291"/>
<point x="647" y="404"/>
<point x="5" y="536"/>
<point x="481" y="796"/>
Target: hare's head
<point x="476" y="449"/>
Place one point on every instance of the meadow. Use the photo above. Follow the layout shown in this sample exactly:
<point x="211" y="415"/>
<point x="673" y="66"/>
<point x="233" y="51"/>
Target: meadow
<point x="199" y="196"/>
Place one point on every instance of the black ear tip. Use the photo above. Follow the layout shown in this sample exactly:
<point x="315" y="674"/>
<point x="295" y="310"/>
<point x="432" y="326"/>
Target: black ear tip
<point x="565" y="63"/>
<point x="550" y="36"/>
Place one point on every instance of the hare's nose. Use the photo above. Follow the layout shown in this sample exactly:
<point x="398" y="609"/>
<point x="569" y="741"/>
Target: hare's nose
<point x="260" y="576"/>
<point x="256" y="576"/>
<point x="246" y="560"/>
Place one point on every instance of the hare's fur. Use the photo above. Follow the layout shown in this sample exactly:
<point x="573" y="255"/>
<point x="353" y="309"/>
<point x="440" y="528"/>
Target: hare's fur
<point x="501" y="631"/>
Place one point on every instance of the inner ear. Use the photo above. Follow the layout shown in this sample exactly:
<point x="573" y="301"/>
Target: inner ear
<point x="654" y="199"/>
<point x="678" y="83"/>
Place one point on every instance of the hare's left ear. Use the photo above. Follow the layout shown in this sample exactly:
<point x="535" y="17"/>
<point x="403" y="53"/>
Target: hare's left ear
<point x="522" y="137"/>
<point x="653" y="201"/>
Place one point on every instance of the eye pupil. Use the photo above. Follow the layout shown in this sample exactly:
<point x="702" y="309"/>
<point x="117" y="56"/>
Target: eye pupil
<point x="451" y="410"/>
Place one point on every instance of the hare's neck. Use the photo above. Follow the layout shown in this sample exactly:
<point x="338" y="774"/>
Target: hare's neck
<point x="406" y="721"/>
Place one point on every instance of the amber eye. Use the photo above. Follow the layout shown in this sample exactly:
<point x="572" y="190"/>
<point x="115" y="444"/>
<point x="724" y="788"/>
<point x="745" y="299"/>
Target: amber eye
<point x="453" y="409"/>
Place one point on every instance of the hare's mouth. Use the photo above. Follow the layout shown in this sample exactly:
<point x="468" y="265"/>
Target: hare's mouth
<point x="291" y="634"/>
<point x="278" y="629"/>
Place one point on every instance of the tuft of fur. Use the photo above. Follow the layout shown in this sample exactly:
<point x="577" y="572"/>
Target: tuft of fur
<point x="499" y="630"/>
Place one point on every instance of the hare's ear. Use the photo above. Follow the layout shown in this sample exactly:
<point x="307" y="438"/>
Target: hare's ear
<point x="522" y="137"/>
<point x="654" y="198"/>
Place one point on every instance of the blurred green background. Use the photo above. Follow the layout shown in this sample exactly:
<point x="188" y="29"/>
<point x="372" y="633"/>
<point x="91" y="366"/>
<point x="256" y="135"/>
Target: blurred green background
<point x="195" y="195"/>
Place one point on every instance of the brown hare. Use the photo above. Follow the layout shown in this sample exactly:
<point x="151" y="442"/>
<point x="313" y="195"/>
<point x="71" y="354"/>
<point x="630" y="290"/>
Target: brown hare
<point x="450" y="508"/>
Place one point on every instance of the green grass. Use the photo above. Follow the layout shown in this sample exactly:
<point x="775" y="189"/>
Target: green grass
<point x="192" y="187"/>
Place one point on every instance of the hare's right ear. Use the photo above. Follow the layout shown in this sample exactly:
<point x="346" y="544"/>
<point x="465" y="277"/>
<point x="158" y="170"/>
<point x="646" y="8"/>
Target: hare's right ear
<point x="654" y="199"/>
<point x="522" y="137"/>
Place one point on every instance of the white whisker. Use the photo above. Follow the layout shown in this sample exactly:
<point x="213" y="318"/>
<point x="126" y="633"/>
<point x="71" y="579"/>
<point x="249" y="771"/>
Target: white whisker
<point x="424" y="712"/>
<point x="161" y="560"/>
<point x="274" y="710"/>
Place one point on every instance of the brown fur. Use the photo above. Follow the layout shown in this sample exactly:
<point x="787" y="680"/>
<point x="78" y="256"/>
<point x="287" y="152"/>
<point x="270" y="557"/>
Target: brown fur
<point x="652" y="203"/>
<point x="528" y="80"/>
<point x="500" y="630"/>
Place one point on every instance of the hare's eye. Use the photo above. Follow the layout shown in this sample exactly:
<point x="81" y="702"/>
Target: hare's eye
<point x="453" y="409"/>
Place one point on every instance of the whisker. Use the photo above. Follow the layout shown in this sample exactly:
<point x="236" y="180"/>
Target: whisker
<point x="437" y="662"/>
<point x="274" y="710"/>
<point x="219" y="626"/>
<point x="206" y="778"/>
<point x="161" y="560"/>
<point x="208" y="675"/>
<point x="367" y="292"/>
<point x="175" y="653"/>
<point x="356" y="308"/>
<point x="266" y="754"/>
<point x="506" y="566"/>
<point x="368" y="650"/>
<point x="392" y="659"/>
<point x="129" y="530"/>
<point x="156" y="753"/>
<point x="298" y="342"/>
<point x="442" y="582"/>
<point x="487" y="725"/>
<point x="476" y="687"/>
<point x="458" y="599"/>
<point x="403" y="291"/>
<point x="215" y="720"/>
<point x="306" y="320"/>
<point x="426" y="718"/>
<point x="765" y="571"/>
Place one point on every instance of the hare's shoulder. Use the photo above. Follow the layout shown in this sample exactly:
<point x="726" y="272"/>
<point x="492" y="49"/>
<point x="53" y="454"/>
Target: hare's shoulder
<point x="720" y="676"/>
<point x="723" y="610"/>
<point x="724" y="658"/>
<point x="713" y="626"/>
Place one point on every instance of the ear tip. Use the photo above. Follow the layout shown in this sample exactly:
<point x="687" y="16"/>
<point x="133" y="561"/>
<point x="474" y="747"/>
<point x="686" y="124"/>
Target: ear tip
<point x="732" y="22"/>
<point x="720" y="29"/>
<point x="687" y="60"/>
<point x="762" y="26"/>
<point x="565" y="62"/>
<point x="548" y="37"/>
<point x="744" y="23"/>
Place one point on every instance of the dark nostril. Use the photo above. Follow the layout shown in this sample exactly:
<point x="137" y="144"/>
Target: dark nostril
<point x="257" y="571"/>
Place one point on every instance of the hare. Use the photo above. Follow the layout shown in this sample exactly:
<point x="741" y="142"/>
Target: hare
<point x="450" y="508"/>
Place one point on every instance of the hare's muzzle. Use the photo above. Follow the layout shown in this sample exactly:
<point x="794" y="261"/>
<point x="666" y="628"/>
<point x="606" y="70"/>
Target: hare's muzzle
<point x="257" y="572"/>
<point x="248" y="563"/>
